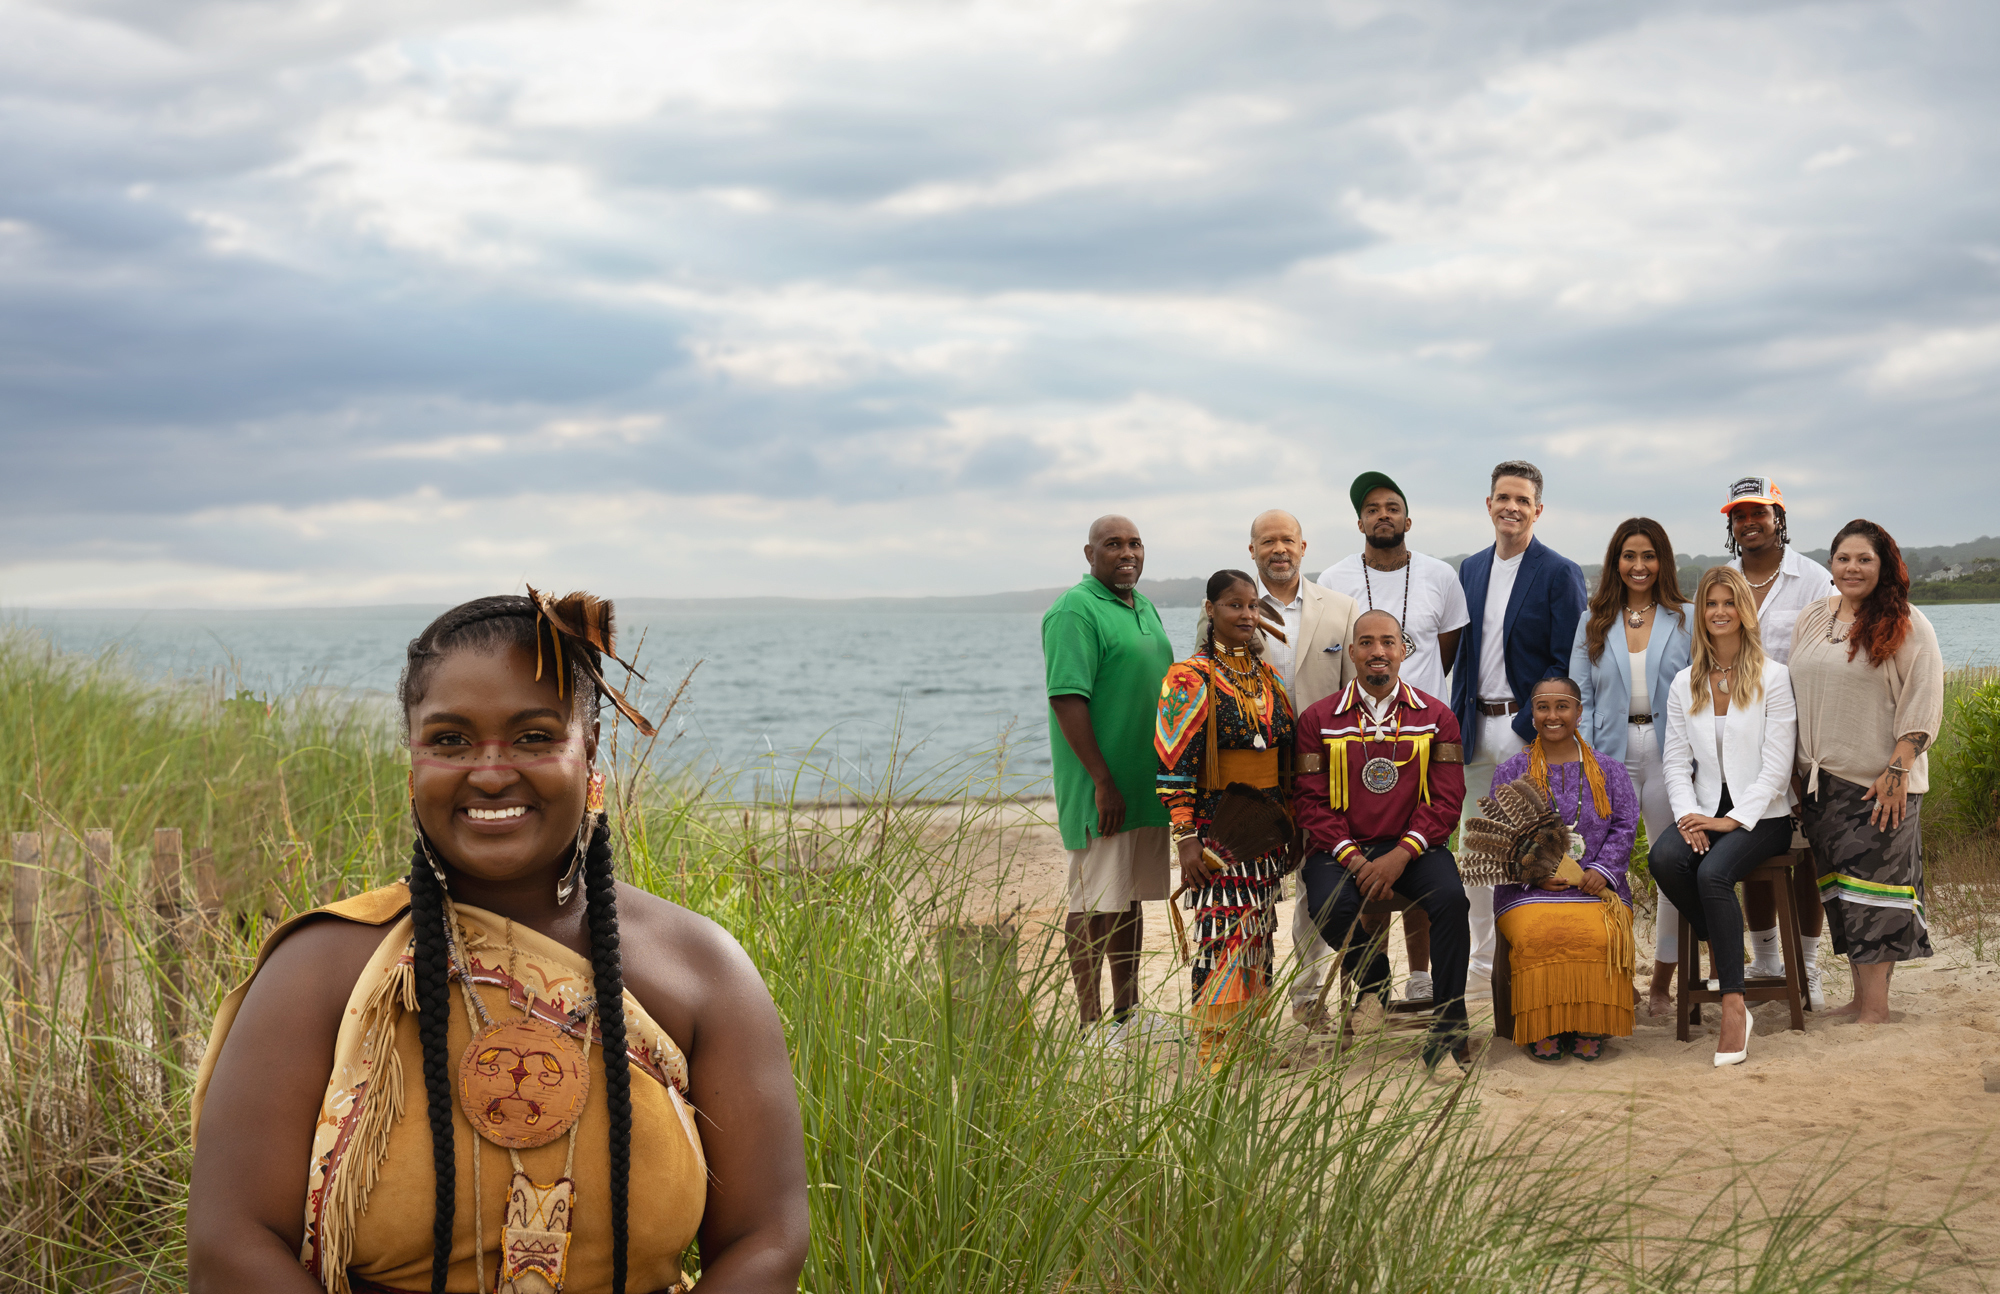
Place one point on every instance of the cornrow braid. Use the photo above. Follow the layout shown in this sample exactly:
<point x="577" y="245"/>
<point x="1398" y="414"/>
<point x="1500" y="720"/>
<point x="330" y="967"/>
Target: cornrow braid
<point x="433" y="967"/>
<point x="607" y="971"/>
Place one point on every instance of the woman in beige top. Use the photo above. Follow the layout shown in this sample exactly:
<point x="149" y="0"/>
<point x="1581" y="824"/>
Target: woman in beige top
<point x="1870" y="688"/>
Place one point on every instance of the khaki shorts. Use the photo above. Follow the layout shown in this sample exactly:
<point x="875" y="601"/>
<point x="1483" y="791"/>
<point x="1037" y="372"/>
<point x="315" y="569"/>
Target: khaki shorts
<point x="1118" y="871"/>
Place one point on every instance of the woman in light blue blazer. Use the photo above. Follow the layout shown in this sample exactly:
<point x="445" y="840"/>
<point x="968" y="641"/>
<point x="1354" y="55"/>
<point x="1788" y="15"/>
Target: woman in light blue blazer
<point x="1636" y="631"/>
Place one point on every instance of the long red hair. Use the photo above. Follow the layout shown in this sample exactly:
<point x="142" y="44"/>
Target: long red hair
<point x="1884" y="619"/>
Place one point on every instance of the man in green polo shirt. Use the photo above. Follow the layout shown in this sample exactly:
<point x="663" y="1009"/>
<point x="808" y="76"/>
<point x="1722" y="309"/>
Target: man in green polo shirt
<point x="1106" y="653"/>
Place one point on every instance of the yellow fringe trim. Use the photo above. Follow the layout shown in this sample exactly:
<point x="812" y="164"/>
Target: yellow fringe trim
<point x="1569" y="997"/>
<point x="1336" y="767"/>
<point x="381" y="1108"/>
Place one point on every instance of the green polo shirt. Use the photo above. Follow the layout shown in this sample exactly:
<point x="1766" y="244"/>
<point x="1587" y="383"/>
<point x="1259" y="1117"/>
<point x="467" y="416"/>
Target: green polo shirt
<point x="1114" y="656"/>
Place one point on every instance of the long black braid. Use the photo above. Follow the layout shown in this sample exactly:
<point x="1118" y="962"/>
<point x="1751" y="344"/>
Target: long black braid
<point x="489" y="624"/>
<point x="1729" y="530"/>
<point x="433" y="967"/>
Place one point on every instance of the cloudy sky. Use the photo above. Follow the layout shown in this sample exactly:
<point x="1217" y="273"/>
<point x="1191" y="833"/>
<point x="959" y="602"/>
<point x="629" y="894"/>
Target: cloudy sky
<point x="378" y="300"/>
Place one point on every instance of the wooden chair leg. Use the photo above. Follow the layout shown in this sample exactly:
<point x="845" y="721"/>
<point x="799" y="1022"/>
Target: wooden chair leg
<point x="1503" y="989"/>
<point x="1788" y="935"/>
<point x="1689" y="975"/>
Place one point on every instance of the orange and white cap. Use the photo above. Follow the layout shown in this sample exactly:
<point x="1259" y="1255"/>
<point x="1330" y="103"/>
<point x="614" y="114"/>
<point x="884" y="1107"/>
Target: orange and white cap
<point x="1754" y="489"/>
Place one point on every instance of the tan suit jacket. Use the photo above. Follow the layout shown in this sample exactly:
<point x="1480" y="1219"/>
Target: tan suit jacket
<point x="1326" y="623"/>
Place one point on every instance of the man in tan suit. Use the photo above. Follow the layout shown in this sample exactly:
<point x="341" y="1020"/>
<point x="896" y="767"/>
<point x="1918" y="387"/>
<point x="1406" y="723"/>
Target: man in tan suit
<point x="1318" y="622"/>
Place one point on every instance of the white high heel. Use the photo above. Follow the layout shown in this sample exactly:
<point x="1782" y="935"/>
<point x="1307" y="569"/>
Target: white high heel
<point x="1724" y="1058"/>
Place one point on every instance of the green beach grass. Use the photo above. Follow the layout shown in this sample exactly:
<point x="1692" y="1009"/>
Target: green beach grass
<point x="961" y="1136"/>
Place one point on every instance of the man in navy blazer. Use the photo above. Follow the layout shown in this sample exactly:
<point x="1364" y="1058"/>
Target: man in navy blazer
<point x="1525" y="600"/>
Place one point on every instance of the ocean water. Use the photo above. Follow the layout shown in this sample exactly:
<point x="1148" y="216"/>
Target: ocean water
<point x="808" y="703"/>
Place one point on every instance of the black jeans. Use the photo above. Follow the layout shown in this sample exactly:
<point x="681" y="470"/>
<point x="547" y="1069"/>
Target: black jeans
<point x="1703" y="886"/>
<point x="1431" y="878"/>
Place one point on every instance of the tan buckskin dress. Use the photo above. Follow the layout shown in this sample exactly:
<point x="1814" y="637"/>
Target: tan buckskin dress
<point x="369" y="1185"/>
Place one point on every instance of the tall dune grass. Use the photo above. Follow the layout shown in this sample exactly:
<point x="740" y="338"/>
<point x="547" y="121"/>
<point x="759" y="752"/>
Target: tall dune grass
<point x="962" y="1137"/>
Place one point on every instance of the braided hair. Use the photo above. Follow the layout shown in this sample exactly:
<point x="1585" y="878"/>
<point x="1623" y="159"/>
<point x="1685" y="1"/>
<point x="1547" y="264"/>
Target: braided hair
<point x="1729" y="533"/>
<point x="1218" y="584"/>
<point x="490" y="624"/>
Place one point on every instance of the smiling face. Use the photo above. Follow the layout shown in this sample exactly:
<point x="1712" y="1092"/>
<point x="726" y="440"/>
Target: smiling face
<point x="1116" y="555"/>
<point x="1234" y="615"/>
<point x="1378" y="650"/>
<point x="1277" y="547"/>
<point x="1638" y="563"/>
<point x="1755" y="526"/>
<point x="1556" y="713"/>
<point x="1513" y="508"/>
<point x="498" y="764"/>
<point x="1719" y="612"/>
<point x="1857" y="568"/>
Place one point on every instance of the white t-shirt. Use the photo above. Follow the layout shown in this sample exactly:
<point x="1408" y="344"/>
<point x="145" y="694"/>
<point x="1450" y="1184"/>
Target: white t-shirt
<point x="1284" y="656"/>
<point x="1493" y="685"/>
<point x="1799" y="583"/>
<point x="1436" y="602"/>
<point x="1642" y="696"/>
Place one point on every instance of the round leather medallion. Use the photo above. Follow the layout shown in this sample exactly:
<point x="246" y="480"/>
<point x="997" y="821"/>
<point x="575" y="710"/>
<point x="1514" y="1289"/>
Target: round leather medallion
<point x="522" y="1083"/>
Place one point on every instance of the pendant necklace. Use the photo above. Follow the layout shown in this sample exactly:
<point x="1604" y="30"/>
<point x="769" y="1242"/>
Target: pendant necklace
<point x="1378" y="774"/>
<point x="1403" y="621"/>
<point x="1249" y="694"/>
<point x="1637" y="619"/>
<point x="1576" y="844"/>
<point x="521" y="1084"/>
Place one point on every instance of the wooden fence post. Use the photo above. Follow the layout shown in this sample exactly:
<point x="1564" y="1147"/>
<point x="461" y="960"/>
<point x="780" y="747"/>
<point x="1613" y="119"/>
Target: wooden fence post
<point x="173" y="931"/>
<point x="27" y="893"/>
<point x="97" y="874"/>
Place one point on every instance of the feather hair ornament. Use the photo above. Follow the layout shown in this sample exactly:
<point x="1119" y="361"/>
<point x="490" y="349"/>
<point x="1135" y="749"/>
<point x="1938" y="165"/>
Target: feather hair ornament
<point x="1520" y="840"/>
<point x="582" y="619"/>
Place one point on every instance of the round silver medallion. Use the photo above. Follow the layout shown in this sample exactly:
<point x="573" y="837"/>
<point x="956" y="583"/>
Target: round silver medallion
<point x="1409" y="644"/>
<point x="1379" y="775"/>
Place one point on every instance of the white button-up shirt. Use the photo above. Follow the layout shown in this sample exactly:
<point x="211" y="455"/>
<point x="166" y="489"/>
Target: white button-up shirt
<point x="1284" y="656"/>
<point x="1799" y="583"/>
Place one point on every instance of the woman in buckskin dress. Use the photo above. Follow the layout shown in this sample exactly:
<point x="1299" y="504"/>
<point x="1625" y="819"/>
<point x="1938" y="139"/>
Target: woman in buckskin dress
<point x="507" y="1071"/>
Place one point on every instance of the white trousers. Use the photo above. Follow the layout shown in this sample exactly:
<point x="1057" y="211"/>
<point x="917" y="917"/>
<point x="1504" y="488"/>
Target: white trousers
<point x="1496" y="745"/>
<point x="1649" y="779"/>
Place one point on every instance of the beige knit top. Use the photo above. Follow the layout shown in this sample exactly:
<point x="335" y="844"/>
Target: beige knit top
<point x="1851" y="713"/>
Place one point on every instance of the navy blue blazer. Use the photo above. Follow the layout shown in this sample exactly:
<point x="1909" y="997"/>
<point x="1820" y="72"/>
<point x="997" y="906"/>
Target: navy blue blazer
<point x="1539" y="631"/>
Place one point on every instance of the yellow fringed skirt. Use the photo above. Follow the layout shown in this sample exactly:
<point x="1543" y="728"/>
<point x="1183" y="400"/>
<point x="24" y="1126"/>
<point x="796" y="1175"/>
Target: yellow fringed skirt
<point x="1565" y="963"/>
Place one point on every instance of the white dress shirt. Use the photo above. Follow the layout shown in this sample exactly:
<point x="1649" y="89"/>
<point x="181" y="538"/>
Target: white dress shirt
<point x="1799" y="583"/>
<point x="1493" y="685"/>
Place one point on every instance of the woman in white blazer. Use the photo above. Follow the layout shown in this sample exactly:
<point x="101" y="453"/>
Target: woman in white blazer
<point x="1630" y="644"/>
<point x="1731" y="726"/>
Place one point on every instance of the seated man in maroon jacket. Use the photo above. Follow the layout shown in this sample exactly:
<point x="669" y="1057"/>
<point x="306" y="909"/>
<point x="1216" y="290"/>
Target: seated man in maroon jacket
<point x="1381" y="776"/>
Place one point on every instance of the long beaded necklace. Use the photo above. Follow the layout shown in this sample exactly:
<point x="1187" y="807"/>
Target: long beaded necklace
<point x="1402" y="621"/>
<point x="1248" y="686"/>
<point x="521" y="1084"/>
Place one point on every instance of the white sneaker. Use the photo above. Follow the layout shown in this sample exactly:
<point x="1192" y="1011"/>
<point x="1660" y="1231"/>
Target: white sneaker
<point x="1144" y="1029"/>
<point x="1104" y="1035"/>
<point x="1417" y="987"/>
<point x="1815" y="998"/>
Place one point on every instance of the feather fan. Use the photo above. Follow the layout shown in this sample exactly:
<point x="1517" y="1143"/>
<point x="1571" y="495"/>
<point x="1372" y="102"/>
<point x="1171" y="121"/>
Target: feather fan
<point x="1246" y="824"/>
<point x="1518" y="840"/>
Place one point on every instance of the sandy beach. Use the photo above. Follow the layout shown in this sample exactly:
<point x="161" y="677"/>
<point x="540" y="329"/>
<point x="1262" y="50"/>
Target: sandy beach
<point x="1902" y="1116"/>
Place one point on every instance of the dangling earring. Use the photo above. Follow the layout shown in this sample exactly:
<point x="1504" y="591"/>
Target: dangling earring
<point x="593" y="807"/>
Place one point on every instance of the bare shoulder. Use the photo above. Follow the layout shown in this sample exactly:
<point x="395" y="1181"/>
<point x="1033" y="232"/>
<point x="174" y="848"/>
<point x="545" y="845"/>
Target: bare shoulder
<point x="683" y="967"/>
<point x="321" y="958"/>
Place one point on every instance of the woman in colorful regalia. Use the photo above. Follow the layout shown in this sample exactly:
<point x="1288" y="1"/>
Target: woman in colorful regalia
<point x="1224" y="719"/>
<point x="1569" y="943"/>
<point x="508" y="1071"/>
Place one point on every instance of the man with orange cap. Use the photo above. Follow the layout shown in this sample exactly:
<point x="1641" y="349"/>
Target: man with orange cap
<point x="1784" y="582"/>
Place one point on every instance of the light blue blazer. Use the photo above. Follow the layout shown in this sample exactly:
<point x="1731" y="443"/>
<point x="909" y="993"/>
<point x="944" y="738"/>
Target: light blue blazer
<point x="1607" y="684"/>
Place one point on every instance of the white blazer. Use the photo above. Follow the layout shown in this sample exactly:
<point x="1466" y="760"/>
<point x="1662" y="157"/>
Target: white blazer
<point x="1757" y="745"/>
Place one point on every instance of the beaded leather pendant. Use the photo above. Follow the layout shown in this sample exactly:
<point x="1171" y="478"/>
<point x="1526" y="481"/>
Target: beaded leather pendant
<point x="522" y="1083"/>
<point x="534" y="1245"/>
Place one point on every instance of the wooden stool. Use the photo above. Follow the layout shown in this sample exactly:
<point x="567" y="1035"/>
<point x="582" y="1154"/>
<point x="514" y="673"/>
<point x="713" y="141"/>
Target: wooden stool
<point x="1397" y="1008"/>
<point x="1776" y="872"/>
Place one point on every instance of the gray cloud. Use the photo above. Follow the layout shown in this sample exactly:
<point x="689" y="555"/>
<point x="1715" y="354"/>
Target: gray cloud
<point x="265" y="283"/>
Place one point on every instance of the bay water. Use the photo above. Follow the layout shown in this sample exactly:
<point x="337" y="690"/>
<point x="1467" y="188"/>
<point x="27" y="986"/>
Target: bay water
<point x="807" y="704"/>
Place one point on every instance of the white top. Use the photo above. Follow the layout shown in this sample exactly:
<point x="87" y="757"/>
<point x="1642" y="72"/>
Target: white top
<point x="1721" y="722"/>
<point x="1799" y="583"/>
<point x="1493" y="685"/>
<point x="1284" y="656"/>
<point x="1756" y="759"/>
<point x="1642" y="695"/>
<point x="1436" y="602"/>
